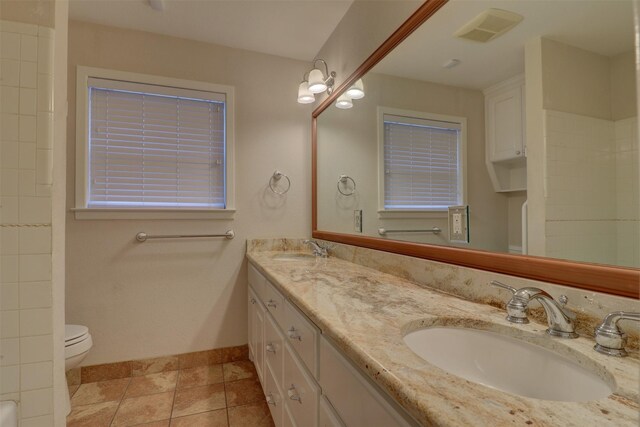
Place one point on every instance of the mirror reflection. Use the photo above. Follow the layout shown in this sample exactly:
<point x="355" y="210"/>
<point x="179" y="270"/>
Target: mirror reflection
<point x="507" y="126"/>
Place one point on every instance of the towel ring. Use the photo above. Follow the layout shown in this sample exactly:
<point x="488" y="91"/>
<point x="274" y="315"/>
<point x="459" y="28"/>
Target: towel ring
<point x="343" y="179"/>
<point x="277" y="175"/>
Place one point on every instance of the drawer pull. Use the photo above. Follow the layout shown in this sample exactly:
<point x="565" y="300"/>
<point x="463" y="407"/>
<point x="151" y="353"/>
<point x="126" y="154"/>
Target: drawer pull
<point x="270" y="348"/>
<point x="271" y="400"/>
<point x="253" y="300"/>
<point x="293" y="393"/>
<point x="293" y="334"/>
<point x="271" y="303"/>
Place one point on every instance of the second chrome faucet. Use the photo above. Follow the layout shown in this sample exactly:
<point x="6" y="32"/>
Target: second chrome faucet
<point x="560" y="319"/>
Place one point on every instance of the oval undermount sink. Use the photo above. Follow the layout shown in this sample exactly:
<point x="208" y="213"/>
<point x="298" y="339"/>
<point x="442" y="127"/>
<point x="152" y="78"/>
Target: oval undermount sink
<point x="507" y="364"/>
<point x="293" y="256"/>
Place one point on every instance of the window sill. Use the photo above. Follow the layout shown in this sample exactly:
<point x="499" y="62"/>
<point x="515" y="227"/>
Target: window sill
<point x="150" y="213"/>
<point x="408" y="213"/>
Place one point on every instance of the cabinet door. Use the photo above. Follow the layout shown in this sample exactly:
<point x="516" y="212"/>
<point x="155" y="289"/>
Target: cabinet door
<point x="354" y="399"/>
<point x="274" y="398"/>
<point x="258" y="331"/>
<point x="300" y="391"/>
<point x="251" y="302"/>
<point x="274" y="349"/>
<point x="505" y="125"/>
<point x="328" y="416"/>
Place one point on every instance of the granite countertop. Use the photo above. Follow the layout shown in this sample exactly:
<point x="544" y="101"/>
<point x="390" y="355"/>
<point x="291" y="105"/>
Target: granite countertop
<point x="366" y="313"/>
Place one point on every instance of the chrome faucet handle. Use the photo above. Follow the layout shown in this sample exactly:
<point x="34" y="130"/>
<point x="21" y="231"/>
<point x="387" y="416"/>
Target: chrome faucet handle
<point x="503" y="286"/>
<point x="610" y="340"/>
<point x="517" y="307"/>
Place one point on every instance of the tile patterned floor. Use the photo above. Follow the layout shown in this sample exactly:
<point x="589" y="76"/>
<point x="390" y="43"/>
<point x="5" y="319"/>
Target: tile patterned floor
<point x="216" y="395"/>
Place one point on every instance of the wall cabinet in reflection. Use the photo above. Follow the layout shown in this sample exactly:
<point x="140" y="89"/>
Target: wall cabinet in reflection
<point x="505" y="135"/>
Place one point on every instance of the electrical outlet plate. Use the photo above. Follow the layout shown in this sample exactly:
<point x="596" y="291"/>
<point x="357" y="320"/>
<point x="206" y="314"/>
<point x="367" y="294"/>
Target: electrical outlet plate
<point x="357" y="220"/>
<point x="459" y="224"/>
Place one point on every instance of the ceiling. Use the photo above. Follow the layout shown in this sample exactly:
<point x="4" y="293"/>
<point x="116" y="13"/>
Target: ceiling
<point x="601" y="26"/>
<point x="293" y="28"/>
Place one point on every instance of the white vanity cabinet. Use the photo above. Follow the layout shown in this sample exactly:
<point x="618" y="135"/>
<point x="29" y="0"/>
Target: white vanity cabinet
<point x="505" y="150"/>
<point x="306" y="381"/>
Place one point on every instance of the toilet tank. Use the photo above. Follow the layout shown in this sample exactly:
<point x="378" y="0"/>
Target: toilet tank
<point x="8" y="414"/>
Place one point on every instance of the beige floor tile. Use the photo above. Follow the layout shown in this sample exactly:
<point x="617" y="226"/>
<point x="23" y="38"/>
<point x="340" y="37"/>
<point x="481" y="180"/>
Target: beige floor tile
<point x="108" y="371"/>
<point x="244" y="392"/>
<point x="202" y="375"/>
<point x="98" y="392"/>
<point x="205" y="419"/>
<point x="96" y="415"/>
<point x="200" y="358"/>
<point x="254" y="415"/>
<point x="241" y="370"/>
<point x="144" y="409"/>
<point x="151" y="384"/>
<point x="163" y="423"/>
<point x="234" y="354"/>
<point x="199" y="399"/>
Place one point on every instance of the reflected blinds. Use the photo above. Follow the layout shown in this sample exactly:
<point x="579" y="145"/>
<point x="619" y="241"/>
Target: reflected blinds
<point x="155" y="146"/>
<point x="421" y="163"/>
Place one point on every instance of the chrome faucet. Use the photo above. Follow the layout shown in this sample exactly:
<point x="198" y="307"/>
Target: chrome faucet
<point x="560" y="319"/>
<point x="318" y="250"/>
<point x="610" y="340"/>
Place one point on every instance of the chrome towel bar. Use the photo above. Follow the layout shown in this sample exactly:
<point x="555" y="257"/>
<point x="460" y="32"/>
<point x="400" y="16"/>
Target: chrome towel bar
<point x="143" y="237"/>
<point x="384" y="231"/>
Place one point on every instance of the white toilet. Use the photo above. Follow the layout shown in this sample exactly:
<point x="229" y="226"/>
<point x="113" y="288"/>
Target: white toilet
<point x="77" y="343"/>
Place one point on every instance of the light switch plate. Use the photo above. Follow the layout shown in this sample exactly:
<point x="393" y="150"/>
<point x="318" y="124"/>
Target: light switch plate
<point x="459" y="224"/>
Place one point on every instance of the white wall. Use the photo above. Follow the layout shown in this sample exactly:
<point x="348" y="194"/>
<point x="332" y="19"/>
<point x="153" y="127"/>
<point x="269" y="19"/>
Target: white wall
<point x="168" y="297"/>
<point x="26" y="141"/>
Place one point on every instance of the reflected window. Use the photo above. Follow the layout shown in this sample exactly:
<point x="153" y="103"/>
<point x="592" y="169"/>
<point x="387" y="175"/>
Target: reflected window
<point x="422" y="160"/>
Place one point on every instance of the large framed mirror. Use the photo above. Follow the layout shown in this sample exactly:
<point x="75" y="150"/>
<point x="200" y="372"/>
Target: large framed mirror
<point x="499" y="135"/>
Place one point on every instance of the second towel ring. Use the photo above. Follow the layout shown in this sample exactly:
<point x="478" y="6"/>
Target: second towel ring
<point x="277" y="175"/>
<point x="343" y="179"/>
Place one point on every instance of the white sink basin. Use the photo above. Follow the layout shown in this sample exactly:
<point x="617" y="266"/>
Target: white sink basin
<point x="293" y="256"/>
<point x="507" y="364"/>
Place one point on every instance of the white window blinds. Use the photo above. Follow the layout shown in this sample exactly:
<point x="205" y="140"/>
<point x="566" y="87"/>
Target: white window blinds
<point x="421" y="163"/>
<point x="155" y="146"/>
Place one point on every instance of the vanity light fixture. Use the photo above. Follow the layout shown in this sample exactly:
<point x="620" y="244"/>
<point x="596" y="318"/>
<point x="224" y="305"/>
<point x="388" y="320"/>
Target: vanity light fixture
<point x="356" y="91"/>
<point x="344" y="102"/>
<point x="314" y="82"/>
<point x="304" y="94"/>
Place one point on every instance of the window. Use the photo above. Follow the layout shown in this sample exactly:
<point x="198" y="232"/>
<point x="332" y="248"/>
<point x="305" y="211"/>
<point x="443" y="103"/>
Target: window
<point x="422" y="158"/>
<point x="153" y="144"/>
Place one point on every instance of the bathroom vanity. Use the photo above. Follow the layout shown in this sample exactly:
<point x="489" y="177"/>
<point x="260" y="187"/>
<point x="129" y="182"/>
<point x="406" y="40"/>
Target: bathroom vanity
<point x="327" y="338"/>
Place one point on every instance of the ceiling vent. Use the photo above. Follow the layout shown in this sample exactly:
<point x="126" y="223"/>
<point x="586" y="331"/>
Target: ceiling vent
<point x="488" y="25"/>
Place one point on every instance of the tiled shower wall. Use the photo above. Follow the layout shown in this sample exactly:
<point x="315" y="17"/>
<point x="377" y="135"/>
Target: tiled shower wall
<point x="590" y="191"/>
<point x="26" y="124"/>
<point x="627" y="191"/>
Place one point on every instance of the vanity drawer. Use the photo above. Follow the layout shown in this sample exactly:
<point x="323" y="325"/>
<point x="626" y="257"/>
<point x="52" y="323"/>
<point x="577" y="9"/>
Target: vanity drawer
<point x="274" y="349"/>
<point x="256" y="281"/>
<point x="356" y="401"/>
<point x="303" y="336"/>
<point x="328" y="416"/>
<point x="300" y="391"/>
<point x="273" y="397"/>
<point x="274" y="302"/>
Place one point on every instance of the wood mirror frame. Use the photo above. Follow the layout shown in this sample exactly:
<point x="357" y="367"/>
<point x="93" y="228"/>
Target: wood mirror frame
<point x="622" y="281"/>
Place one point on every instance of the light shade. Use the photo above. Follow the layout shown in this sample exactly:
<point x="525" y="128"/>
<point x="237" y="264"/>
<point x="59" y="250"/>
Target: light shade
<point x="304" y="94"/>
<point x="356" y="91"/>
<point x="344" y="102"/>
<point x="316" y="81"/>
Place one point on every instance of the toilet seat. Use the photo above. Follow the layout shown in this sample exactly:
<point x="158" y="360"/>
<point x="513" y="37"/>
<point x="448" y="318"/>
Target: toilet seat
<point x="77" y="340"/>
<point x="73" y="333"/>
